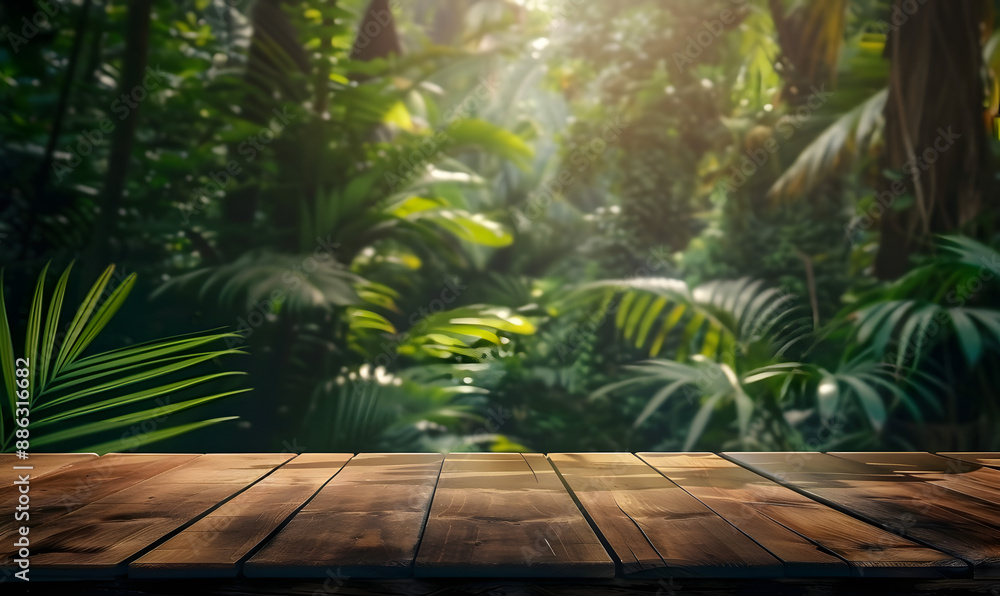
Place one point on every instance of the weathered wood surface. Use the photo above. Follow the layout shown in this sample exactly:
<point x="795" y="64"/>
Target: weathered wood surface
<point x="69" y="488"/>
<point x="809" y="537"/>
<point x="962" y="526"/>
<point x="41" y="464"/>
<point x="658" y="518"/>
<point x="981" y="458"/>
<point x="366" y="521"/>
<point x="100" y="538"/>
<point x="962" y="477"/>
<point x="217" y="544"/>
<point x="656" y="528"/>
<point x="507" y="515"/>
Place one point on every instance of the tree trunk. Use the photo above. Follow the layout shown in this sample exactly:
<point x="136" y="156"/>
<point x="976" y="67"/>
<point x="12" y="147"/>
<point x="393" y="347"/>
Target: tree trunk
<point x="933" y="133"/>
<point x="63" y="103"/>
<point x="376" y="36"/>
<point x="133" y="70"/>
<point x="275" y="60"/>
<point x="41" y="201"/>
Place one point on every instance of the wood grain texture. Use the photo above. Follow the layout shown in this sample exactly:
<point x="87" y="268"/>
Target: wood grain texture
<point x="100" y="538"/>
<point x="43" y="464"/>
<point x="366" y="522"/>
<point x="507" y="515"/>
<point x="217" y="544"/>
<point x="667" y="517"/>
<point x="655" y="528"/>
<point x="803" y="533"/>
<point x="72" y="487"/>
<point x="967" y="478"/>
<point x="991" y="459"/>
<point x="935" y="516"/>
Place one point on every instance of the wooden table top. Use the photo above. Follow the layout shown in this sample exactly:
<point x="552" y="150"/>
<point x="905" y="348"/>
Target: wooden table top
<point x="506" y="515"/>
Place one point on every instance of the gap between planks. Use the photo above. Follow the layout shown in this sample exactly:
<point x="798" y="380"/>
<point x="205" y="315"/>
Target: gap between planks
<point x="217" y="544"/>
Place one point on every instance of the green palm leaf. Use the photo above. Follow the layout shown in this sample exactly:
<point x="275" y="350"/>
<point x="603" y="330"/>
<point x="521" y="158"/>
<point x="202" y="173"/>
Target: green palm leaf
<point x="83" y="430"/>
<point x="457" y="331"/>
<point x="132" y="443"/>
<point x="52" y="325"/>
<point x="832" y="149"/>
<point x="297" y="283"/>
<point x="7" y="354"/>
<point x="64" y="377"/>
<point x="721" y="315"/>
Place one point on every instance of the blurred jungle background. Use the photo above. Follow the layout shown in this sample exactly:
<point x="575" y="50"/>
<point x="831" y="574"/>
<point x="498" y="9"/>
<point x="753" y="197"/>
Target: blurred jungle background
<point x="547" y="225"/>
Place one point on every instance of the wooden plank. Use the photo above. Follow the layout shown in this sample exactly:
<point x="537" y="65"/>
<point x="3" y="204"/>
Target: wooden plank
<point x="41" y="464"/>
<point x="983" y="458"/>
<point x="72" y="487"/>
<point x="654" y="527"/>
<point x="100" y="538"/>
<point x="719" y="485"/>
<point x="366" y="522"/>
<point x="940" y="518"/>
<point x="962" y="477"/>
<point x="217" y="544"/>
<point x="795" y="528"/>
<point x="507" y="514"/>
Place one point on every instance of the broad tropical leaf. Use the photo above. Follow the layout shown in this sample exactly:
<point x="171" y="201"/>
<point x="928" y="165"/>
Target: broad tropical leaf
<point x="458" y="331"/>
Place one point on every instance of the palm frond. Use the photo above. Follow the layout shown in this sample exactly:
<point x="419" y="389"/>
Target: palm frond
<point x="758" y="396"/>
<point x="967" y="251"/>
<point x="296" y="283"/>
<point x="834" y="148"/>
<point x="69" y="389"/>
<point x="371" y="409"/>
<point x="716" y="385"/>
<point x="903" y="330"/>
<point x="932" y="304"/>
<point x="718" y="318"/>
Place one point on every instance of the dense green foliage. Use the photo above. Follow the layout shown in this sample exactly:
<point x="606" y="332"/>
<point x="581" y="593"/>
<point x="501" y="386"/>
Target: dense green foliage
<point x="489" y="224"/>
